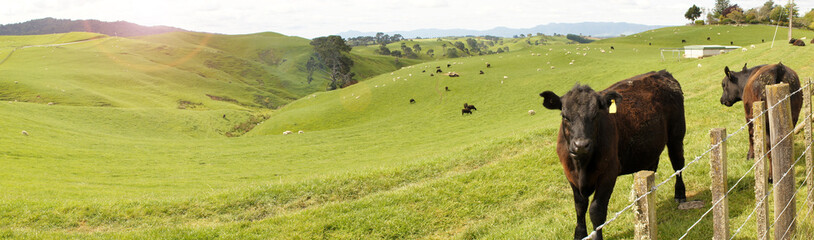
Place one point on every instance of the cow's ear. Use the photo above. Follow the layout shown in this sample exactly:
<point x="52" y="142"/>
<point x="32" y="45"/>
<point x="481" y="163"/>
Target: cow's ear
<point x="727" y="72"/>
<point x="744" y="67"/>
<point x="608" y="97"/>
<point x="551" y="100"/>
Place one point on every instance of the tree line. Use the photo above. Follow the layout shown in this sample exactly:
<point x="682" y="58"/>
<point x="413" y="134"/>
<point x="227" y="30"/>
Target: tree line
<point x="724" y="12"/>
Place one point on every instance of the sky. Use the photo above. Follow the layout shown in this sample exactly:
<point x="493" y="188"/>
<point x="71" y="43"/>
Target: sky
<point x="314" y="18"/>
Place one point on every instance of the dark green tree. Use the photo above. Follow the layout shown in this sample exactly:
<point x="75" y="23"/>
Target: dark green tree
<point x="693" y="13"/>
<point x="460" y="46"/>
<point x="383" y="50"/>
<point x="417" y="48"/>
<point x="452" y="53"/>
<point x="331" y="57"/>
<point x="720" y="6"/>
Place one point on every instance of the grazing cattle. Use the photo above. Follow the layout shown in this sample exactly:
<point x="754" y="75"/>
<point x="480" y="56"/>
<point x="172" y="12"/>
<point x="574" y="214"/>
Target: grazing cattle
<point x="453" y="74"/>
<point x="412" y="101"/>
<point x="438" y="71"/>
<point x="490" y="65"/>
<point x="481" y="71"/>
<point x="708" y="38"/>
<point x="423" y="70"/>
<point x="763" y="40"/>
<point x="791" y="41"/>
<point x="465" y="111"/>
<point x="683" y="41"/>
<point x="651" y="44"/>
<point x="612" y="48"/>
<point x="470" y="107"/>
<point x="799" y="42"/>
<point x="731" y="43"/>
<point x="224" y="116"/>
<point x="749" y="86"/>
<point x="449" y="65"/>
<point x="446" y="89"/>
<point x="595" y="145"/>
<point x="432" y="75"/>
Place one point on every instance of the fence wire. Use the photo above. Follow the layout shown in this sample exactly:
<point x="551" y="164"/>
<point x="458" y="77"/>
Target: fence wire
<point x="742" y="177"/>
<point x="619" y="213"/>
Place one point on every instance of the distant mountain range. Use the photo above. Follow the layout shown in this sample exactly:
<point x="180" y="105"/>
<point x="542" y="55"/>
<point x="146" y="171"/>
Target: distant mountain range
<point x="52" y="25"/>
<point x="594" y="29"/>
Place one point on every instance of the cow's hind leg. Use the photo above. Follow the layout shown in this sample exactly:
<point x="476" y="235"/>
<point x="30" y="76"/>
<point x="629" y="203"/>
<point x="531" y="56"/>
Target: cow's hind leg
<point x="675" y="148"/>
<point x="581" y="205"/>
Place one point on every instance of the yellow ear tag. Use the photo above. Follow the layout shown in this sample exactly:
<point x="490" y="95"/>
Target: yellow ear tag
<point x="612" y="108"/>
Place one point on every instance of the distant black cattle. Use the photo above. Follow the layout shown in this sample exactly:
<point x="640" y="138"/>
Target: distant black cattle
<point x="488" y="65"/>
<point x="438" y="71"/>
<point x="432" y="75"/>
<point x="470" y="107"/>
<point x="449" y="65"/>
<point x="612" y="48"/>
<point x="799" y="42"/>
<point x="683" y="41"/>
<point x="465" y="111"/>
<point x="423" y="70"/>
<point x="651" y="44"/>
<point x="764" y="40"/>
<point x="731" y="43"/>
<point x="595" y="145"/>
<point x="412" y="101"/>
<point x="446" y="89"/>
<point x="453" y="74"/>
<point x="481" y="71"/>
<point x="791" y="41"/>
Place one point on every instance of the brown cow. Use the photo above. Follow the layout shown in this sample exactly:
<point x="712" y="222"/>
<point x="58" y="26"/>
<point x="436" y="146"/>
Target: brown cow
<point x="799" y="42"/>
<point x="749" y="85"/>
<point x="595" y="146"/>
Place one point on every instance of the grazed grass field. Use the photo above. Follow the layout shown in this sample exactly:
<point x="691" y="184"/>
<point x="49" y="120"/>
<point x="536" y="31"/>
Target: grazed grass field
<point x="122" y="161"/>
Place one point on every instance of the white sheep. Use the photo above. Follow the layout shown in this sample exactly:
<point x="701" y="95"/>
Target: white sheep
<point x="699" y="65"/>
<point x="532" y="112"/>
<point x="505" y="77"/>
<point x="752" y="47"/>
<point x="287" y="132"/>
<point x="743" y="49"/>
<point x="300" y="132"/>
<point x="25" y="133"/>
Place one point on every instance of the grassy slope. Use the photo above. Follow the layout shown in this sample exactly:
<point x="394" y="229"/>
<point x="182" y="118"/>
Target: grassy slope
<point x="368" y="167"/>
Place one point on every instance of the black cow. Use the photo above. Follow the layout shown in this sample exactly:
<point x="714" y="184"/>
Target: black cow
<point x="412" y="101"/>
<point x="683" y="41"/>
<point x="470" y="107"/>
<point x="488" y="65"/>
<point x="449" y="65"/>
<point x="438" y="71"/>
<point x="612" y="48"/>
<point x="481" y="71"/>
<point x="708" y="38"/>
<point x="595" y="146"/>
<point x="465" y="111"/>
<point x="446" y="89"/>
<point x="749" y="86"/>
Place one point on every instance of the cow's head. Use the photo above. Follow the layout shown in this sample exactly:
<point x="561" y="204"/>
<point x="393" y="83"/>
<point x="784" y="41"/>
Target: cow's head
<point x="733" y="90"/>
<point x="582" y="111"/>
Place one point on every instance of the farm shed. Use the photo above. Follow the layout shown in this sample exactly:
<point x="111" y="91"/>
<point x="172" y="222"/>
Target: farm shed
<point x="699" y="51"/>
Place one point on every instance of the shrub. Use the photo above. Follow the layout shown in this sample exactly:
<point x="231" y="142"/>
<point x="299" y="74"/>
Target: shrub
<point x="699" y="22"/>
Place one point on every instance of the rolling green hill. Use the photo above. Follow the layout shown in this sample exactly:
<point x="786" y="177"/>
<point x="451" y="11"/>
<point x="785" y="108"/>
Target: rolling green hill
<point x="115" y="158"/>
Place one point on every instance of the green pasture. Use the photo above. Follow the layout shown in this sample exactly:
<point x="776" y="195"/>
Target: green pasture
<point x="133" y="148"/>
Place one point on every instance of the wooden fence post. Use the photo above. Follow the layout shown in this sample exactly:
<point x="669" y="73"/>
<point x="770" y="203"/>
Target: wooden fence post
<point x="780" y="124"/>
<point x="646" y="227"/>
<point x="761" y="179"/>
<point x="717" y="171"/>
<point x="809" y="164"/>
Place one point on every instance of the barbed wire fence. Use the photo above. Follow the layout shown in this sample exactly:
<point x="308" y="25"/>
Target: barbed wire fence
<point x="808" y="119"/>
